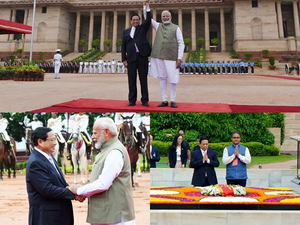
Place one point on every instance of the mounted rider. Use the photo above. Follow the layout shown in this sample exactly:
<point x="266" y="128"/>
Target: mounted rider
<point x="82" y="121"/>
<point x="55" y="123"/>
<point x="3" y="133"/>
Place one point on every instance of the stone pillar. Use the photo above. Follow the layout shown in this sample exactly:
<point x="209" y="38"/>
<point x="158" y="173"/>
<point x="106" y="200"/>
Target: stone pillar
<point x="206" y="24"/>
<point x="279" y="20"/>
<point x="127" y="20"/>
<point x="77" y="32"/>
<point x="106" y="28"/>
<point x="180" y="19"/>
<point x="154" y="17"/>
<point x="223" y="36"/>
<point x="91" y="30"/>
<point x="193" y="29"/>
<point x="102" y="35"/>
<point x="115" y="32"/>
<point x="26" y="16"/>
<point x="13" y="19"/>
<point x="296" y="19"/>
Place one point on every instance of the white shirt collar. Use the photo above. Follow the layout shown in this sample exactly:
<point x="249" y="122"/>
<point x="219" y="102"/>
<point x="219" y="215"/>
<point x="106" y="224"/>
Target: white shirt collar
<point x="43" y="153"/>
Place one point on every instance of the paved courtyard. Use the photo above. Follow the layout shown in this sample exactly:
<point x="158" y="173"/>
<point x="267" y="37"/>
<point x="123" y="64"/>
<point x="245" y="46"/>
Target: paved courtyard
<point x="19" y="96"/>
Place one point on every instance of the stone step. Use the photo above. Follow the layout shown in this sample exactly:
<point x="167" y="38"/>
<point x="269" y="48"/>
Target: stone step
<point x="71" y="56"/>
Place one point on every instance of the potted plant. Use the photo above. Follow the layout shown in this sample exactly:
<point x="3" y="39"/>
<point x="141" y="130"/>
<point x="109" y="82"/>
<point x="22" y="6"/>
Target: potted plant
<point x="19" y="51"/>
<point x="11" y="59"/>
<point x="200" y="42"/>
<point x="187" y="42"/>
<point x="215" y="42"/>
<point x="119" y="43"/>
<point x="272" y="63"/>
<point x="40" y="53"/>
<point x="265" y="53"/>
<point x="107" y="42"/>
<point x="259" y="64"/>
<point x="82" y="43"/>
<point x="95" y="43"/>
<point x="248" y="55"/>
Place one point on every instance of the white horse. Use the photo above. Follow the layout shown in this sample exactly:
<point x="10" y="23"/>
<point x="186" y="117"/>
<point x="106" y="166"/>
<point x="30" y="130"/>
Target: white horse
<point x="55" y="155"/>
<point x="78" y="150"/>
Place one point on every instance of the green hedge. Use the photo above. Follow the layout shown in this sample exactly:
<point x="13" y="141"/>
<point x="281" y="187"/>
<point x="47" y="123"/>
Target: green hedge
<point x="255" y="148"/>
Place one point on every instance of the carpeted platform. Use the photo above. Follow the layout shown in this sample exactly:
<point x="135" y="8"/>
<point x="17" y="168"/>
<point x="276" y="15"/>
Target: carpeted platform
<point x="98" y="105"/>
<point x="282" y="77"/>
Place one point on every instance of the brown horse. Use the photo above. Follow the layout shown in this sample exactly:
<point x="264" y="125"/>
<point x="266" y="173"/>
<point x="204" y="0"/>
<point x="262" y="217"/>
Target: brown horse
<point x="126" y="136"/>
<point x="146" y="148"/>
<point x="8" y="158"/>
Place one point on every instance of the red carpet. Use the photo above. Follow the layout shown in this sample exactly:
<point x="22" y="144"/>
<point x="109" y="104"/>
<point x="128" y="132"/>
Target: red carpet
<point x="98" y="105"/>
<point x="282" y="77"/>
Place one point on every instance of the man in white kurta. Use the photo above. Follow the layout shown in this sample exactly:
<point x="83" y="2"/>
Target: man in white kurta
<point x="163" y="68"/>
<point x="57" y="62"/>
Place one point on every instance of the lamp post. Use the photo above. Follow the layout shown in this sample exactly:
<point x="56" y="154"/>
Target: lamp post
<point x="32" y="30"/>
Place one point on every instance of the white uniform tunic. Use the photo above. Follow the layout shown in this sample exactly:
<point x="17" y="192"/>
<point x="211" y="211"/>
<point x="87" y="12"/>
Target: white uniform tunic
<point x="56" y="126"/>
<point x="91" y="70"/>
<point x="113" y="66"/>
<point x="3" y="125"/>
<point x="33" y="124"/>
<point x="86" y="65"/>
<point x="108" y="66"/>
<point x="100" y="66"/>
<point x="95" y="67"/>
<point x="80" y="67"/>
<point x="57" y="62"/>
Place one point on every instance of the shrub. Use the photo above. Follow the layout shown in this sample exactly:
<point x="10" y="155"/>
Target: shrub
<point x="107" y="42"/>
<point x="187" y="41"/>
<point x="82" y="42"/>
<point x="265" y="52"/>
<point x="11" y="58"/>
<point x="248" y="54"/>
<point x="20" y="50"/>
<point x="95" y="43"/>
<point x="272" y="60"/>
<point x="259" y="63"/>
<point x="119" y="42"/>
<point x="40" y="53"/>
<point x="215" y="41"/>
<point x="201" y="41"/>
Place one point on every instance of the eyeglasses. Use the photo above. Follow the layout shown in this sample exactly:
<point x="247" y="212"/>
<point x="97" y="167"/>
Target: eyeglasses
<point x="52" y="139"/>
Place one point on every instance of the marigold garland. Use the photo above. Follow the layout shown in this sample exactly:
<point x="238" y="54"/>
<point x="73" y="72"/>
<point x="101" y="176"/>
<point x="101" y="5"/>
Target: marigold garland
<point x="192" y="195"/>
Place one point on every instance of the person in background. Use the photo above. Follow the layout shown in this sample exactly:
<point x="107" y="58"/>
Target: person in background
<point x="177" y="153"/>
<point x="154" y="154"/>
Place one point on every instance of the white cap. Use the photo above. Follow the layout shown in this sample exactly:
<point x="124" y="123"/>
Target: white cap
<point x="58" y="50"/>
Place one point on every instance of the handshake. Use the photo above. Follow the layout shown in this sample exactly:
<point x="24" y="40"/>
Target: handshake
<point x="73" y="188"/>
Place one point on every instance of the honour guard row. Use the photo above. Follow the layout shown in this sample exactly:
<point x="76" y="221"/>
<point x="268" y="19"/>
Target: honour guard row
<point x="234" y="67"/>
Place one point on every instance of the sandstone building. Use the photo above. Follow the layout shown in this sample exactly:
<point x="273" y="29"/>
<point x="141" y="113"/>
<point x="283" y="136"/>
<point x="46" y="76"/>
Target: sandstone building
<point x="243" y="25"/>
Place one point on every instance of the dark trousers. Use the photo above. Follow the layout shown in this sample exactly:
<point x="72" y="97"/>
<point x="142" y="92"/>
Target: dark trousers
<point x="206" y="183"/>
<point x="241" y="182"/>
<point x="140" y="65"/>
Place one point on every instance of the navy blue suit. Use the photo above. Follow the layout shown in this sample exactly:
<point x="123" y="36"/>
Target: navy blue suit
<point x="200" y="168"/>
<point x="155" y="157"/>
<point x="137" y="61"/>
<point x="173" y="156"/>
<point x="49" y="199"/>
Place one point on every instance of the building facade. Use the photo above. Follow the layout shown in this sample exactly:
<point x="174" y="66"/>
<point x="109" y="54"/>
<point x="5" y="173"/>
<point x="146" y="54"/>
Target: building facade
<point x="243" y="25"/>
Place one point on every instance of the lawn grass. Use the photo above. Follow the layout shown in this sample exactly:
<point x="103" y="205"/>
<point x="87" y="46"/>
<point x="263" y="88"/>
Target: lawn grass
<point x="255" y="160"/>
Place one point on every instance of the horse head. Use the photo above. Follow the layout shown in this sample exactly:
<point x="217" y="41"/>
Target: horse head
<point x="127" y="130"/>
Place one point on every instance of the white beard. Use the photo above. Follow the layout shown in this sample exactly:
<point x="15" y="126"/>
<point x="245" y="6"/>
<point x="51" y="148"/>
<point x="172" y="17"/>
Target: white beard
<point x="166" y="22"/>
<point x="100" y="142"/>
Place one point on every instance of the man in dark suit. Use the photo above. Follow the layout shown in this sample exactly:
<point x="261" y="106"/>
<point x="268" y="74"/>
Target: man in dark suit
<point x="154" y="154"/>
<point x="204" y="160"/>
<point x="135" y="51"/>
<point x="49" y="199"/>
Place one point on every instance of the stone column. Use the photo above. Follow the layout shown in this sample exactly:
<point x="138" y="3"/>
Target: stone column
<point x="102" y="35"/>
<point x="154" y="17"/>
<point x="91" y="30"/>
<point x="279" y="20"/>
<point x="296" y="19"/>
<point x="180" y="19"/>
<point x="25" y="16"/>
<point x="206" y="24"/>
<point x="223" y="36"/>
<point x="77" y="32"/>
<point x="115" y="32"/>
<point x="13" y="19"/>
<point x="193" y="29"/>
<point x="127" y="20"/>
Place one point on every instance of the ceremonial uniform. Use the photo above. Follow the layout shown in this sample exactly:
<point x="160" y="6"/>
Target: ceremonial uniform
<point x="86" y="65"/>
<point x="108" y="66"/>
<point x="33" y="124"/>
<point x="252" y="67"/>
<point x="206" y="67"/>
<point x="119" y="64"/>
<point x="223" y="67"/>
<point x="212" y="67"/>
<point x="186" y="68"/>
<point x="3" y="132"/>
<point x="197" y="68"/>
<point x="201" y="67"/>
<point x="246" y="67"/>
<point x="113" y="66"/>
<point x="181" y="69"/>
<point x="80" y="67"/>
<point x="91" y="70"/>
<point x="100" y="65"/>
<point x="57" y="62"/>
<point x="191" y="65"/>
<point x="104" y="67"/>
<point x="228" y="67"/>
<point x="218" y="67"/>
<point x="95" y="67"/>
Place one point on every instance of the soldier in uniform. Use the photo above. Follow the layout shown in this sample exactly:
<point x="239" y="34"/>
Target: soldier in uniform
<point x="197" y="67"/>
<point x="186" y="67"/>
<point x="86" y="65"/>
<point x="91" y="70"/>
<point x="206" y="67"/>
<point x="181" y="69"/>
<point x="95" y="67"/>
<point x="246" y="67"/>
<point x="80" y="67"/>
<point x="228" y="67"/>
<point x="252" y="67"/>
<point x="55" y="124"/>
<point x="218" y="67"/>
<point x="33" y="124"/>
<point x="201" y="67"/>
<point x="212" y="67"/>
<point x="57" y="62"/>
<point x="113" y="66"/>
<point x="223" y="67"/>
<point x="100" y="65"/>
<point x="104" y="66"/>
<point x="3" y="133"/>
<point x="82" y="121"/>
<point x="108" y="66"/>
<point x="191" y="65"/>
<point x="119" y="70"/>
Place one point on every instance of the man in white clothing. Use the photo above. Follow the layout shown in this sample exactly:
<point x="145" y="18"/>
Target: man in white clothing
<point x="109" y="190"/>
<point x="166" y="56"/>
<point x="100" y="65"/>
<point x="113" y="66"/>
<point x="57" y="62"/>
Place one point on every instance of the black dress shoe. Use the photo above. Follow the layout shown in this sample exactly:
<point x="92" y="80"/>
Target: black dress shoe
<point x="131" y="104"/>
<point x="145" y="104"/>
<point x="173" y="105"/>
<point x="163" y="104"/>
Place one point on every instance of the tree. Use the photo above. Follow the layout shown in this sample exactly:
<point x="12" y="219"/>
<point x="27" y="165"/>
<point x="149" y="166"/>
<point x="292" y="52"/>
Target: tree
<point x="107" y="42"/>
<point x="119" y="42"/>
<point x="19" y="51"/>
<point x="187" y="42"/>
<point x="82" y="43"/>
<point x="215" y="41"/>
<point x="200" y="42"/>
<point x="95" y="43"/>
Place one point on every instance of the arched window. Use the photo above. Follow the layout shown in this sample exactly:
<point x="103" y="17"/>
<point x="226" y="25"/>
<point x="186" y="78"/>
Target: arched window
<point x="256" y="28"/>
